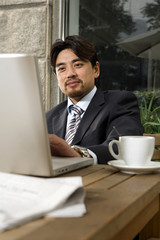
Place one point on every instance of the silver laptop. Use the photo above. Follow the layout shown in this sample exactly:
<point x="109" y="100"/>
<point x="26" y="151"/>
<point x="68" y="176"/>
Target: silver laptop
<point x="24" y="144"/>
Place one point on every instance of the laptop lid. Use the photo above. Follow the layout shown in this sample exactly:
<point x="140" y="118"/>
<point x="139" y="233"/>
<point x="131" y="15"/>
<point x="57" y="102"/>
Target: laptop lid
<point x="24" y="145"/>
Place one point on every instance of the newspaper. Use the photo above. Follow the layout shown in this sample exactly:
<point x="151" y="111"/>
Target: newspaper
<point x="25" y="198"/>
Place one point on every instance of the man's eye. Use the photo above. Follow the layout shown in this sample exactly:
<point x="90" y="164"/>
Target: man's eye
<point x="78" y="64"/>
<point x="61" y="69"/>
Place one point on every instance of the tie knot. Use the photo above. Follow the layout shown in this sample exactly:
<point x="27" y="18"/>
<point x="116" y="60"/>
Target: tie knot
<point x="77" y="110"/>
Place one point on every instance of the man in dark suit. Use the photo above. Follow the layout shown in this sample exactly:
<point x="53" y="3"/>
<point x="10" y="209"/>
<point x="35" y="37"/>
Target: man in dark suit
<point x="76" y="66"/>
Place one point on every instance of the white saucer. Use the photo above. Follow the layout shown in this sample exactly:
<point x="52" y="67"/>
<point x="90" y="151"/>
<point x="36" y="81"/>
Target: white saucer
<point x="149" y="168"/>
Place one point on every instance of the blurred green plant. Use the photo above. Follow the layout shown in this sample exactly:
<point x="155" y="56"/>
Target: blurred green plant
<point x="149" y="105"/>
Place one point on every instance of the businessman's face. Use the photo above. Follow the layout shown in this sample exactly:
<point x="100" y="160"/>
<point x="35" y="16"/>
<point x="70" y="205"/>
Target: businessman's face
<point x="76" y="78"/>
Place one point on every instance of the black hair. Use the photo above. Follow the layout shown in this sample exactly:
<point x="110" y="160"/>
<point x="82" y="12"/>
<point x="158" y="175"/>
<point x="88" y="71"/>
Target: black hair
<point x="81" y="47"/>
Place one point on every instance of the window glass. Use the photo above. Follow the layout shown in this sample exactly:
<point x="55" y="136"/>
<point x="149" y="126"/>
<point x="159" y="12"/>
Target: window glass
<point x="106" y="23"/>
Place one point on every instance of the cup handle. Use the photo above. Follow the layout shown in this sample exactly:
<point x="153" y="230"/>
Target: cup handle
<point x="116" y="156"/>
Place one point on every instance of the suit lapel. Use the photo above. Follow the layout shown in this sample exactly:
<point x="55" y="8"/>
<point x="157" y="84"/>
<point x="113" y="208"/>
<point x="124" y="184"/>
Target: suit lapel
<point x="60" y="121"/>
<point x="93" y="109"/>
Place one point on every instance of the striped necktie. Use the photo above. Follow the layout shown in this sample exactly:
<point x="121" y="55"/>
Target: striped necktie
<point x="73" y="124"/>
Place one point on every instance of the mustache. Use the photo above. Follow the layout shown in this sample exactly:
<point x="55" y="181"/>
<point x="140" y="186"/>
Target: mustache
<point x="73" y="80"/>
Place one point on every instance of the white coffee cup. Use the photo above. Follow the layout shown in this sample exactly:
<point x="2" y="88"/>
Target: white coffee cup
<point x="134" y="150"/>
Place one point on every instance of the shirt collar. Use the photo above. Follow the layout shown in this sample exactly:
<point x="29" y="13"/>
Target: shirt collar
<point x="84" y="102"/>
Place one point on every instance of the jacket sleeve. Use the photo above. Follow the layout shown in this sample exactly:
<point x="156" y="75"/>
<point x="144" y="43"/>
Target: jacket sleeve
<point x="125" y="116"/>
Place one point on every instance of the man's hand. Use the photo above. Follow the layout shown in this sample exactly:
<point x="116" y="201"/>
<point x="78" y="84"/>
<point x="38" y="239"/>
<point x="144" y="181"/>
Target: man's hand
<point x="59" y="147"/>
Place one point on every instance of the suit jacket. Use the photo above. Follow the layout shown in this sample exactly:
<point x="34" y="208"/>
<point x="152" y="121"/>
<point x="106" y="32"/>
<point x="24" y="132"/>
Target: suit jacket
<point x="106" y="109"/>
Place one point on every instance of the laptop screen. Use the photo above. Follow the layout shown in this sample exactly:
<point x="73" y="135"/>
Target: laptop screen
<point x="24" y="146"/>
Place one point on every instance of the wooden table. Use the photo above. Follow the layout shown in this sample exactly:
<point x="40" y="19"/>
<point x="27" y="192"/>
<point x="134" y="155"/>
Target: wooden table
<point x="118" y="207"/>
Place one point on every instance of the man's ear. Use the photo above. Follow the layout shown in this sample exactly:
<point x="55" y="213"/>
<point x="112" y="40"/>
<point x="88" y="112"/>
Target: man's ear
<point x="97" y="69"/>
